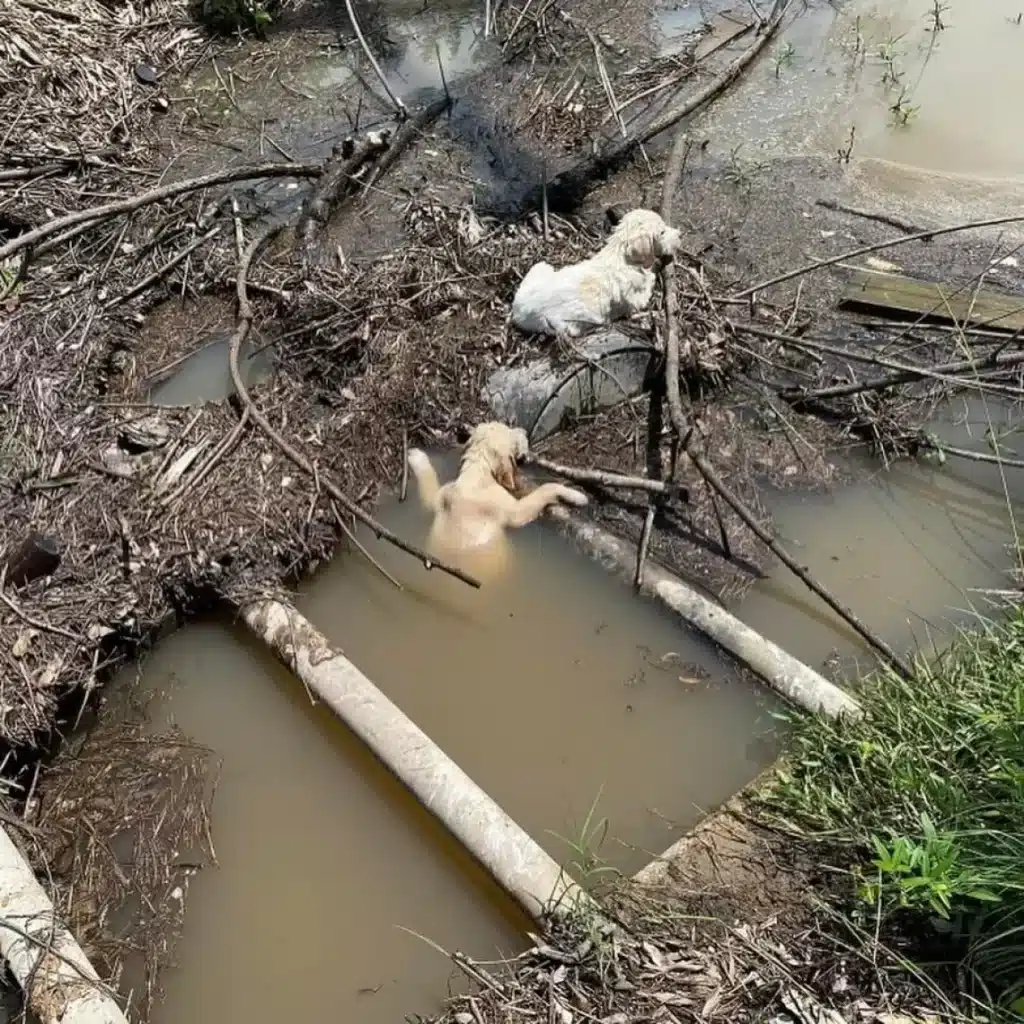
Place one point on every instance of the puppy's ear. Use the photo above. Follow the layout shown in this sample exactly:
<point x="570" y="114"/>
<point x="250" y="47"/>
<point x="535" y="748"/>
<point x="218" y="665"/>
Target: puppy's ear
<point x="640" y="249"/>
<point x="520" y="443"/>
<point x="505" y="473"/>
<point x="670" y="241"/>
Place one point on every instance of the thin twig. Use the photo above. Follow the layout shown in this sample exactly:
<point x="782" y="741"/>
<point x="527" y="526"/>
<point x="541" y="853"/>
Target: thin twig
<point x="46" y="627"/>
<point x="645" y="543"/>
<point x="399" y="106"/>
<point x="404" y="489"/>
<point x="603" y="479"/>
<point x="933" y="444"/>
<point x="361" y="548"/>
<point x="161" y="272"/>
<point x="904" y="373"/>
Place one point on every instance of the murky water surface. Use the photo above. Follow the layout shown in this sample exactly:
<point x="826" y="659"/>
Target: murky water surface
<point x="323" y="858"/>
<point x="915" y="550"/>
<point x="557" y="691"/>
<point x="931" y="110"/>
<point x="205" y="376"/>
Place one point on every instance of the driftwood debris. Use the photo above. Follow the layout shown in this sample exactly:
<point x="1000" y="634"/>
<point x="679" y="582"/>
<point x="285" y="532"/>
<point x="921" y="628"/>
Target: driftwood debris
<point x="339" y="172"/>
<point x="38" y="555"/>
<point x="565" y="191"/>
<point x="685" y="432"/>
<point x="92" y="215"/>
<point x="956" y="304"/>
<point x="614" y="481"/>
<point x="245" y="319"/>
<point x="347" y="168"/>
<point x="866" y="250"/>
<point x="953" y="373"/>
<point x="60" y="984"/>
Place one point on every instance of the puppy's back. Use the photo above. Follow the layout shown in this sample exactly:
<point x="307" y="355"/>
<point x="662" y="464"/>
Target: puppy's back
<point x="529" y="301"/>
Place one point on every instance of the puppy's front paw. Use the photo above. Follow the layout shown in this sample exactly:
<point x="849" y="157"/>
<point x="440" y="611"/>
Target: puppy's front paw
<point x="572" y="496"/>
<point x="418" y="460"/>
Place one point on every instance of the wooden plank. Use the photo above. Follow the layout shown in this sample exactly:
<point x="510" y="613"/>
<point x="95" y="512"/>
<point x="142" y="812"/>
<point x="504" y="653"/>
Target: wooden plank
<point x="725" y="28"/>
<point x="960" y="304"/>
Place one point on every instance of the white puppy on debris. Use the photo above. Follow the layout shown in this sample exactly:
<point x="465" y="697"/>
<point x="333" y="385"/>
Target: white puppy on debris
<point x="474" y="510"/>
<point x="615" y="283"/>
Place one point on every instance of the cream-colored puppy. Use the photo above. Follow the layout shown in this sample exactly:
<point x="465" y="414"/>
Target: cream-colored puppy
<point x="474" y="510"/>
<point x="615" y="283"/>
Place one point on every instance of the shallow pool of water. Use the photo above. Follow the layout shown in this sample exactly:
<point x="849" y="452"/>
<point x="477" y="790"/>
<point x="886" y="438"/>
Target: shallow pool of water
<point x="920" y="100"/>
<point x="911" y="550"/>
<point x="205" y="376"/>
<point x="553" y="687"/>
<point x="556" y="690"/>
<point x="420" y="46"/>
<point x="323" y="858"/>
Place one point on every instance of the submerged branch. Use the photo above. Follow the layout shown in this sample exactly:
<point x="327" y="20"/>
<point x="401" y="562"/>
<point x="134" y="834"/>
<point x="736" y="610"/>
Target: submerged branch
<point x="156" y="195"/>
<point x="708" y="472"/>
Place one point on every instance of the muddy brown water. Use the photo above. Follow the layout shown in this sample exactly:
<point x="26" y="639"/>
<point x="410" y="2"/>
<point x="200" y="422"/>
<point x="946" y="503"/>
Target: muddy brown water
<point x="552" y="687"/>
<point x="917" y="551"/>
<point x="322" y="857"/>
<point x="557" y="691"/>
<point x="204" y="376"/>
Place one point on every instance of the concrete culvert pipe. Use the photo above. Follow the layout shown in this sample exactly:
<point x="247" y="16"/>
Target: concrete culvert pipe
<point x="60" y="985"/>
<point x="612" y="367"/>
<point x="516" y="862"/>
<point x="797" y="682"/>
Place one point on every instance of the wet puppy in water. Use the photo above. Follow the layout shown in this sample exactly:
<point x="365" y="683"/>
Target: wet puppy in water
<point x="615" y="283"/>
<point x="474" y="510"/>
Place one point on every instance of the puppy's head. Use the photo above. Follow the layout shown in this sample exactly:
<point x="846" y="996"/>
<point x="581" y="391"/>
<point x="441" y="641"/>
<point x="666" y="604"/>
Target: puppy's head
<point x="645" y="238"/>
<point x="501" y="447"/>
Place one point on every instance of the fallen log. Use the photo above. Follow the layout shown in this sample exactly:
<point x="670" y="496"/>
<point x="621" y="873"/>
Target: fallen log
<point x="566" y="190"/>
<point x="789" y="676"/>
<point x="178" y="188"/>
<point x="515" y="861"/>
<point x="60" y="985"/>
<point x="340" y="172"/>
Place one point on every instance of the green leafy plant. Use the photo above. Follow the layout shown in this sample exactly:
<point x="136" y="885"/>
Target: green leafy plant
<point x="922" y="799"/>
<point x="902" y="111"/>
<point x="889" y="54"/>
<point x="784" y="57"/>
<point x="586" y="863"/>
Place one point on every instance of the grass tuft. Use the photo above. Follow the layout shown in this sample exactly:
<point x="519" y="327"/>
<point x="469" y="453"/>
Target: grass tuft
<point x="926" y="793"/>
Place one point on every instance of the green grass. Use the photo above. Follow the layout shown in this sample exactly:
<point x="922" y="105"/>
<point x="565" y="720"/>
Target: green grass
<point x="924" y="799"/>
